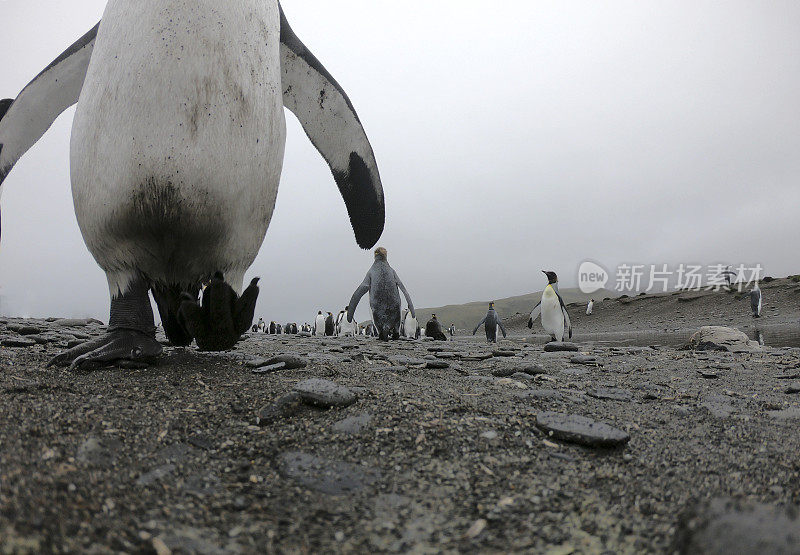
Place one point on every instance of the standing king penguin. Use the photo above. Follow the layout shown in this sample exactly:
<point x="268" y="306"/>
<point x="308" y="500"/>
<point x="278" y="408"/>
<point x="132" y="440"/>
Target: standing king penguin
<point x="755" y="301"/>
<point x="382" y="283"/>
<point x="555" y="318"/>
<point x="176" y="153"/>
<point x="319" y="324"/>
<point x="590" y="307"/>
<point x="491" y="322"/>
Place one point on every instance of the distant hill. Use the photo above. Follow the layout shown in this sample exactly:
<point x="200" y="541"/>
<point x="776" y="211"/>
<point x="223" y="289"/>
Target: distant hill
<point x="465" y="316"/>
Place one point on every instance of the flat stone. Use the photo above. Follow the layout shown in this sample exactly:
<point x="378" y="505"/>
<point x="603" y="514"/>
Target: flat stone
<point x="280" y="362"/>
<point x="792" y="413"/>
<point x="76" y="322"/>
<point x="42" y="339"/>
<point x="97" y="453"/>
<point x="327" y="476"/>
<point x="585" y="359"/>
<point x="792" y="389"/>
<point x="353" y="425"/>
<point x="561" y="346"/>
<point x="788" y="376"/>
<point x="17" y="342"/>
<point x="24" y="329"/>
<point x="708" y="374"/>
<point x="500" y="353"/>
<point x="725" y="526"/>
<point x="155" y="475"/>
<point x="284" y="407"/>
<point x="437" y="365"/>
<point x="610" y="393"/>
<point x="547" y="394"/>
<point x="720" y="406"/>
<point x="325" y="393"/>
<point x="581" y="430"/>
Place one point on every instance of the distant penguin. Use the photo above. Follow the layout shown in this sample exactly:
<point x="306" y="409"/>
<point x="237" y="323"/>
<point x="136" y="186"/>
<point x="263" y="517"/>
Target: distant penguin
<point x="339" y="319"/>
<point x="279" y="329"/>
<point x="383" y="284"/>
<point x="329" y="325"/>
<point x="491" y="322"/>
<point x="410" y="326"/>
<point x="434" y="329"/>
<point x="590" y="307"/>
<point x="555" y="318"/>
<point x="319" y="324"/>
<point x="290" y="328"/>
<point x="273" y="328"/>
<point x="262" y="325"/>
<point x="452" y="329"/>
<point x="370" y="330"/>
<point x="254" y="328"/>
<point x="755" y="301"/>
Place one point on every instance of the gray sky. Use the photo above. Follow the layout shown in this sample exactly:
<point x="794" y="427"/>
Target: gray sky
<point x="511" y="136"/>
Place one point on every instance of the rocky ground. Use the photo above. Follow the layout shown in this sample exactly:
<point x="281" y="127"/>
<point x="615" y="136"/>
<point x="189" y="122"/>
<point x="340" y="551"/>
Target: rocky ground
<point x="416" y="446"/>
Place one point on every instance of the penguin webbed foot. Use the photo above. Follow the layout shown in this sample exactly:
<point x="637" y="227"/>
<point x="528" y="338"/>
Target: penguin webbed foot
<point x="219" y="323"/>
<point x="120" y="344"/>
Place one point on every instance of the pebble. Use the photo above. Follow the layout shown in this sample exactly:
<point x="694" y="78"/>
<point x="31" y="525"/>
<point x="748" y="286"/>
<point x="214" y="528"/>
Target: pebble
<point x="354" y="424"/>
<point x="610" y="393"/>
<point x="24" y="330"/>
<point x="17" y="342"/>
<point x="325" y="393"/>
<point x="437" y="365"/>
<point x="708" y="374"/>
<point x="284" y="407"/>
<point x="502" y="353"/>
<point x="724" y="526"/>
<point x="327" y="476"/>
<point x="585" y="359"/>
<point x="794" y="388"/>
<point x="287" y="362"/>
<point x="581" y="430"/>
<point x="560" y="346"/>
<point x="792" y="413"/>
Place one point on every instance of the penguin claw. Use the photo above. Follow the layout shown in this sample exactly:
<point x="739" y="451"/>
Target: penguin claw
<point x="117" y="345"/>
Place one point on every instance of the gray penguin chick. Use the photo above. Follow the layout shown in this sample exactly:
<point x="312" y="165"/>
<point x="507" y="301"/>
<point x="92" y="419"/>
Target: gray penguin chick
<point x="384" y="299"/>
<point x="492" y="321"/>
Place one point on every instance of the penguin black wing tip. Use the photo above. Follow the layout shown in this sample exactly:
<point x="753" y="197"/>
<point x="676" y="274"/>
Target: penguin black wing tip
<point x="5" y="104"/>
<point x="254" y="281"/>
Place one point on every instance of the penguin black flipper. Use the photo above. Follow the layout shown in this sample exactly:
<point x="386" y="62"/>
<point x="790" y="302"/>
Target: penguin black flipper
<point x="406" y="294"/>
<point x="565" y="313"/>
<point x="331" y="123"/>
<point x="26" y="118"/>
<point x="537" y="310"/>
<point x="356" y="298"/>
<point x="479" y="325"/>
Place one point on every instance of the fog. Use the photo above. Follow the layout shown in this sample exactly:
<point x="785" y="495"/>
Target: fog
<point x="511" y="137"/>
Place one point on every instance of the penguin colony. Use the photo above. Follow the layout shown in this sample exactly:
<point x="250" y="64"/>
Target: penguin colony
<point x="176" y="203"/>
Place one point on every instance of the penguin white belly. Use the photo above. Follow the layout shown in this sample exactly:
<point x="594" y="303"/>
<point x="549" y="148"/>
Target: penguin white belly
<point x="552" y="317"/>
<point x="319" y="325"/>
<point x="177" y="142"/>
<point x="410" y="326"/>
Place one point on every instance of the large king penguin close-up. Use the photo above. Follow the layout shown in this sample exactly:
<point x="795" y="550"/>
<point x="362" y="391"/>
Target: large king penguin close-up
<point x="176" y="153"/>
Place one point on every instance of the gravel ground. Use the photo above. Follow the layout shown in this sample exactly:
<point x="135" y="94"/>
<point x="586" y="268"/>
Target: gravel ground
<point x="200" y="454"/>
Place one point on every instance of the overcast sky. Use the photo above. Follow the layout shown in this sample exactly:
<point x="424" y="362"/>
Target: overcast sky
<point x="511" y="136"/>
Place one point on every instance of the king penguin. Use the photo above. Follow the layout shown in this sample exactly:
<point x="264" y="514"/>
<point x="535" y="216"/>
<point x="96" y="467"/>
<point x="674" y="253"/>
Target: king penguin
<point x="384" y="286"/>
<point x="491" y="322"/>
<point x="319" y="324"/>
<point x="755" y="301"/>
<point x="590" y="307"/>
<point x="175" y="157"/>
<point x="555" y="318"/>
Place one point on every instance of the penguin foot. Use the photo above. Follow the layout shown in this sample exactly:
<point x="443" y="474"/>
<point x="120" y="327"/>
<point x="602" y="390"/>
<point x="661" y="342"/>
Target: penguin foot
<point x="222" y="319"/>
<point x="120" y="344"/>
